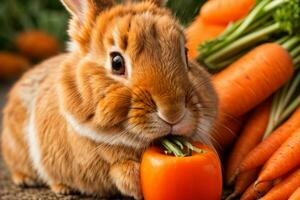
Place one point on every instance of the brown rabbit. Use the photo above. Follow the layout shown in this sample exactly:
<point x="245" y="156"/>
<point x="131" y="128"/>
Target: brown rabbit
<point x="80" y="121"/>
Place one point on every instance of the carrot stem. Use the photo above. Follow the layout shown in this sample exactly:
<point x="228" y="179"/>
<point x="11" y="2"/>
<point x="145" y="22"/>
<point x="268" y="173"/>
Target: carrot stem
<point x="228" y="61"/>
<point x="170" y="147"/>
<point x="249" y="19"/>
<point x="270" y="125"/>
<point x="243" y="42"/>
<point x="282" y="106"/>
<point x="288" y="95"/>
<point x="230" y="28"/>
<point x="282" y="96"/>
<point x="292" y="89"/>
<point x="295" y="104"/>
<point x="178" y="146"/>
<point x="235" y="30"/>
<point x="296" y="61"/>
<point x="178" y="143"/>
<point x="275" y="16"/>
<point x="282" y="39"/>
<point x="273" y="5"/>
<point x="289" y="44"/>
<point x="295" y="52"/>
<point x="263" y="22"/>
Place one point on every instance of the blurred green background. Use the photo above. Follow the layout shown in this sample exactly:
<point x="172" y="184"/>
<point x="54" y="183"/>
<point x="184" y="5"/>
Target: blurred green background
<point x="18" y="15"/>
<point x="33" y="30"/>
<point x="49" y="15"/>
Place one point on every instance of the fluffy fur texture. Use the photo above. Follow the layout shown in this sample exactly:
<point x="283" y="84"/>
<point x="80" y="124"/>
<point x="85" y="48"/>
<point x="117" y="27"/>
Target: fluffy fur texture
<point x="73" y="125"/>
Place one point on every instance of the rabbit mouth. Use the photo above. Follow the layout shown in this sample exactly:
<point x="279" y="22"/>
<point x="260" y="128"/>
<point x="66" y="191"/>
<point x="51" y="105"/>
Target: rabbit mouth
<point x="198" y="131"/>
<point x="185" y="127"/>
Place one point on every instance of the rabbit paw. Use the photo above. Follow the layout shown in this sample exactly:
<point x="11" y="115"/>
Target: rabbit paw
<point x="61" y="189"/>
<point x="126" y="176"/>
<point x="24" y="180"/>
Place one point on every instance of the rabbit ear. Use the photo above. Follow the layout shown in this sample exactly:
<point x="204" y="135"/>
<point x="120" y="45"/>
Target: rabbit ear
<point x="157" y="2"/>
<point x="84" y="13"/>
<point x="73" y="6"/>
<point x="80" y="8"/>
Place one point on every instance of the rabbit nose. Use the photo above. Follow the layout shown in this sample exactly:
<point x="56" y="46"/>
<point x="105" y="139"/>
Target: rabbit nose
<point x="171" y="116"/>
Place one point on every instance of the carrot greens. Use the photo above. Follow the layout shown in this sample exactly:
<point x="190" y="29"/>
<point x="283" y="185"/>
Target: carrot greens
<point x="268" y="21"/>
<point x="178" y="146"/>
<point x="285" y="102"/>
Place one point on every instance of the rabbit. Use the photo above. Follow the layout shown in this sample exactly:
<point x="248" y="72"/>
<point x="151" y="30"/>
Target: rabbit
<point x="80" y="121"/>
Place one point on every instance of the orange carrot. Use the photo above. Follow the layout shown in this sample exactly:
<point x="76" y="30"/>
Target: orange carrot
<point x="249" y="138"/>
<point x="286" y="158"/>
<point x="295" y="195"/>
<point x="254" y="193"/>
<point x="37" y="44"/>
<point x="198" y="32"/>
<point x="284" y="189"/>
<point x="12" y="65"/>
<point x="246" y="82"/>
<point x="223" y="12"/>
<point x="242" y="183"/>
<point x="226" y="131"/>
<point x="258" y="156"/>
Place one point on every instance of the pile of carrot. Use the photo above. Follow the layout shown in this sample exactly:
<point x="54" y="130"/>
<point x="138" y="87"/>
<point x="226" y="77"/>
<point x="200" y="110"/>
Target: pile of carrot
<point x="212" y="20"/>
<point x="31" y="46"/>
<point x="258" y="61"/>
<point x="30" y="32"/>
<point x="249" y="81"/>
<point x="12" y="65"/>
<point x="265" y="162"/>
<point x="255" y="62"/>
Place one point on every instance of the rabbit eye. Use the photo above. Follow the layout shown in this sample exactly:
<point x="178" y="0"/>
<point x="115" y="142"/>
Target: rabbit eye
<point x="117" y="63"/>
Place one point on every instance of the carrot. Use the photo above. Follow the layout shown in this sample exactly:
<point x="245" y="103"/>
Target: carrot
<point x="37" y="44"/>
<point x="284" y="189"/>
<point x="254" y="29"/>
<point x="242" y="182"/>
<point x="258" y="156"/>
<point x="12" y="65"/>
<point x="198" y="32"/>
<point x="168" y="177"/>
<point x="254" y="193"/>
<point x="246" y="82"/>
<point x="283" y="160"/>
<point x="223" y="12"/>
<point x="226" y="131"/>
<point x="295" y="195"/>
<point x="249" y="138"/>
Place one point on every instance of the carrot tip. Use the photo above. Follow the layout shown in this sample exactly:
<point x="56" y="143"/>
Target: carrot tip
<point x="233" y="177"/>
<point x="256" y="183"/>
<point x="231" y="196"/>
<point x="231" y="181"/>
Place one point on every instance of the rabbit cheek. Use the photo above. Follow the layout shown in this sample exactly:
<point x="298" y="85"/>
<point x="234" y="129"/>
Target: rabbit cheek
<point x="147" y="125"/>
<point x="113" y="108"/>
